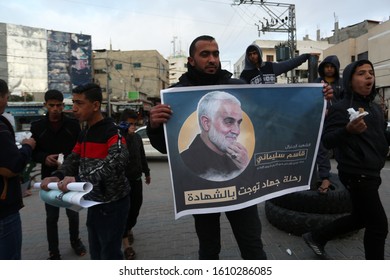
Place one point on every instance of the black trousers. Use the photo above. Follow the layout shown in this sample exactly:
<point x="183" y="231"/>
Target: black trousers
<point x="52" y="215"/>
<point x="367" y="213"/>
<point x="136" y="199"/>
<point x="246" y="227"/>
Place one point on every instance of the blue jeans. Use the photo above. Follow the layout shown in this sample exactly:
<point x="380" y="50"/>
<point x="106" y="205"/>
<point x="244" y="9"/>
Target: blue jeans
<point x="106" y="223"/>
<point x="11" y="237"/>
<point x="246" y="227"/>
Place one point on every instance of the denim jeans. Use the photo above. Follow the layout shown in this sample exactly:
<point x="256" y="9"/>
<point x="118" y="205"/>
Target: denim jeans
<point x="11" y="237"/>
<point x="52" y="215"/>
<point x="106" y="223"/>
<point x="246" y="227"/>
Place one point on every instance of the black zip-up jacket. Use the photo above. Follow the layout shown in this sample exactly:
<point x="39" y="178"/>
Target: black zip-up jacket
<point x="360" y="154"/>
<point x="50" y="141"/>
<point x="12" y="163"/>
<point x="191" y="78"/>
<point x="268" y="70"/>
<point x="137" y="158"/>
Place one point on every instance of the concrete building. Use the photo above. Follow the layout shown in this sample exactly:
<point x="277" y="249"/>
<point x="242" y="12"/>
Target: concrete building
<point x="367" y="40"/>
<point x="132" y="78"/>
<point x="33" y="60"/>
<point x="269" y="54"/>
<point x="177" y="67"/>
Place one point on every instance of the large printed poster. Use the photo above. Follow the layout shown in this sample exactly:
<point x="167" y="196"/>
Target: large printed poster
<point x="233" y="146"/>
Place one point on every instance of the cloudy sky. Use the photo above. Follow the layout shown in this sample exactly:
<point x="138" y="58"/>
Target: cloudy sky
<point x="143" y="24"/>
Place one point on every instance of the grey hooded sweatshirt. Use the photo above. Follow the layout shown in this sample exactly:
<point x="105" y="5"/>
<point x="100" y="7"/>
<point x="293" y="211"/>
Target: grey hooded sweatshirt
<point x="268" y="71"/>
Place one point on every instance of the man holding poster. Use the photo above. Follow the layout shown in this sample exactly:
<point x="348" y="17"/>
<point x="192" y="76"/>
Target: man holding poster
<point x="204" y="68"/>
<point x="283" y="162"/>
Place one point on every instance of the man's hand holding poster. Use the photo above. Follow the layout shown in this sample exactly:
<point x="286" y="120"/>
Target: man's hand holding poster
<point x="232" y="146"/>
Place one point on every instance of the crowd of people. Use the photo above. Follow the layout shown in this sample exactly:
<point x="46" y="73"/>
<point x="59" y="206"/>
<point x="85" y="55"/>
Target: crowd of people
<point x="113" y="160"/>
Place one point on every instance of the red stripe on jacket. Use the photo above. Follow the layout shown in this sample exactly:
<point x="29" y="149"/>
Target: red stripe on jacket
<point x="96" y="150"/>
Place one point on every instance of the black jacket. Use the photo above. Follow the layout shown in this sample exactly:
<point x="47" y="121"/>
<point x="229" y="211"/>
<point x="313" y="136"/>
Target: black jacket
<point x="51" y="141"/>
<point x="12" y="163"/>
<point x="215" y="168"/>
<point x="99" y="157"/>
<point x="137" y="158"/>
<point x="268" y="70"/>
<point x="191" y="78"/>
<point x="361" y="154"/>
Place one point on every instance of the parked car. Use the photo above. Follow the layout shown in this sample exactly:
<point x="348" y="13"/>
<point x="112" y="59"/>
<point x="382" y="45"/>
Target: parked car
<point x="150" y="151"/>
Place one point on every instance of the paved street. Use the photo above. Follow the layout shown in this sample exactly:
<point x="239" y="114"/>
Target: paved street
<point x="159" y="236"/>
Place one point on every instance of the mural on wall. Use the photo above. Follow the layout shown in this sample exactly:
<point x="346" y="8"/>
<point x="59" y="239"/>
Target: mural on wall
<point x="69" y="60"/>
<point x="81" y="59"/>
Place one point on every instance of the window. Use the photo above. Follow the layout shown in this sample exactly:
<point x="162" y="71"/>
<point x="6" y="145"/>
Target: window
<point x="269" y="58"/>
<point x="118" y="66"/>
<point x="100" y="71"/>
<point x="136" y="79"/>
<point x="137" y="65"/>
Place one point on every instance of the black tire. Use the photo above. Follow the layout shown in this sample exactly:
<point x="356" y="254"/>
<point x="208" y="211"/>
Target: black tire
<point x="296" y="223"/>
<point x="335" y="201"/>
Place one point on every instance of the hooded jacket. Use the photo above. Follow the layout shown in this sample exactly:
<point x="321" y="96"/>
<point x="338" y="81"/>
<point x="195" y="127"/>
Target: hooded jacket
<point x="192" y="77"/>
<point x="337" y="85"/>
<point x="268" y="71"/>
<point x="364" y="153"/>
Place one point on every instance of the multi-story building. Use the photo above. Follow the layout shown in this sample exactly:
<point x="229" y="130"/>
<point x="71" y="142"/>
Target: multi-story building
<point x="130" y="78"/>
<point x="177" y="67"/>
<point x="33" y="60"/>
<point x="366" y="40"/>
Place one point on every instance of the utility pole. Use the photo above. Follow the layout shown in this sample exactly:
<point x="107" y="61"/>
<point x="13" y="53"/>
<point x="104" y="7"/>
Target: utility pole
<point x="108" y="71"/>
<point x="108" y="64"/>
<point x="174" y="46"/>
<point x="281" y="19"/>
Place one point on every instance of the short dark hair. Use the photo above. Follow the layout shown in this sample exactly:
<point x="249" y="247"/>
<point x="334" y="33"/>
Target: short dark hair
<point x="54" y="94"/>
<point x="128" y="114"/>
<point x="252" y="49"/>
<point x="200" y="38"/>
<point x="92" y="92"/>
<point x="3" y="88"/>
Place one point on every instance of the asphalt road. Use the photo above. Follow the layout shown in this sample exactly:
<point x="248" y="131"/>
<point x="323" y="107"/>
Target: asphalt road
<point x="158" y="236"/>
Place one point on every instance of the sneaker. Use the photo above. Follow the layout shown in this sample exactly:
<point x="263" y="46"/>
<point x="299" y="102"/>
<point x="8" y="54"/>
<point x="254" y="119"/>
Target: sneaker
<point x="78" y="247"/>
<point x="317" y="248"/>
<point x="54" y="256"/>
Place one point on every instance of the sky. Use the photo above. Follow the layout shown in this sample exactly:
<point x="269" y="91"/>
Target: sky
<point x="170" y="25"/>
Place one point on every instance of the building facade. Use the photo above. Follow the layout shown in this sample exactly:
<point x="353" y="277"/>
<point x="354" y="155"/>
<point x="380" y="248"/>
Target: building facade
<point x="34" y="60"/>
<point x="367" y="40"/>
<point x="130" y="79"/>
<point x="177" y="67"/>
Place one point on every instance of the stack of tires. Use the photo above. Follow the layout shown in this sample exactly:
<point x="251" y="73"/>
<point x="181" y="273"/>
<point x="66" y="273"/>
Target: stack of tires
<point x="303" y="211"/>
